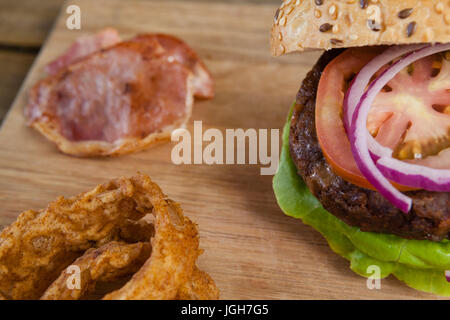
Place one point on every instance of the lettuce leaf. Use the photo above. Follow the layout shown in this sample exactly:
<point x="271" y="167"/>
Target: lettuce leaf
<point x="421" y="264"/>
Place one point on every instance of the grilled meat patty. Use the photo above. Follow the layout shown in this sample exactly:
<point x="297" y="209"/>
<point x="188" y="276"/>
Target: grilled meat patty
<point x="360" y="207"/>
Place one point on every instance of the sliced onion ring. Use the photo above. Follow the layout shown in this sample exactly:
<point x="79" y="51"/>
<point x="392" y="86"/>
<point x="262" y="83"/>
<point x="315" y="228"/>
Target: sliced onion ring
<point x="358" y="134"/>
<point x="447" y="275"/>
<point x="412" y="175"/>
<point x="360" y="82"/>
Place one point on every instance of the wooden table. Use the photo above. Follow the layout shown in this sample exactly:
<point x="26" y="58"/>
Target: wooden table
<point x="252" y="250"/>
<point x="24" y="25"/>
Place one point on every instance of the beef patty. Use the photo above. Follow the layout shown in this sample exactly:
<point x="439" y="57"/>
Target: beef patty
<point x="360" y="207"/>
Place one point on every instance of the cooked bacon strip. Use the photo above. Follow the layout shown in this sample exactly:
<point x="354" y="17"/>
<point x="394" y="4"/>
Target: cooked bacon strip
<point x="83" y="47"/>
<point x="178" y="50"/>
<point x="115" y="101"/>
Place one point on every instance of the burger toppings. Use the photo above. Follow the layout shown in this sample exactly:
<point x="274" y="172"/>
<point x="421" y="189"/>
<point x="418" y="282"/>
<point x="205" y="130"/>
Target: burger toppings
<point x="406" y="127"/>
<point x="376" y="162"/>
<point x="330" y="128"/>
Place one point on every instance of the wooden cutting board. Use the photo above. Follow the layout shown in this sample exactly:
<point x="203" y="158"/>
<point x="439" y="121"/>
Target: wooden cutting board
<point x="252" y="250"/>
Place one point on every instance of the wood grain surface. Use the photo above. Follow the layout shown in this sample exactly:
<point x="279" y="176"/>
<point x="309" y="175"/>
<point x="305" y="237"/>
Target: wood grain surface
<point x="252" y="250"/>
<point x="13" y="66"/>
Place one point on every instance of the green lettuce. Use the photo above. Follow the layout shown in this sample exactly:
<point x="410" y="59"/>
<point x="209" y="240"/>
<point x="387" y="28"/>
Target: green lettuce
<point x="421" y="264"/>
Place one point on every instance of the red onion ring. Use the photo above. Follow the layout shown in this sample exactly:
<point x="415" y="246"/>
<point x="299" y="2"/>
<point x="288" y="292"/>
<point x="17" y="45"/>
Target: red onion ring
<point x="358" y="134"/>
<point x="360" y="82"/>
<point x="410" y="174"/>
<point x="447" y="275"/>
<point x="414" y="175"/>
<point x="405" y="173"/>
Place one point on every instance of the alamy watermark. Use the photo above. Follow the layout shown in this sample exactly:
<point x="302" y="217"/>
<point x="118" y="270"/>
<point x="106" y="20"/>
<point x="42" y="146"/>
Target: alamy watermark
<point x="73" y="21"/>
<point x="236" y="146"/>
<point x="73" y="281"/>
<point x="374" y="280"/>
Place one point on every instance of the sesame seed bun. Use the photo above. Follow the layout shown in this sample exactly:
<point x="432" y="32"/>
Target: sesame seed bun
<point x="327" y="24"/>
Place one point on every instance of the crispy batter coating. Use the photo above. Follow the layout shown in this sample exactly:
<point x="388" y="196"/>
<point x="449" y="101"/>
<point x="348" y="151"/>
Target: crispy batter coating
<point x="36" y="248"/>
<point x="107" y="263"/>
<point x="115" y="260"/>
<point x="174" y="253"/>
<point x="200" y="287"/>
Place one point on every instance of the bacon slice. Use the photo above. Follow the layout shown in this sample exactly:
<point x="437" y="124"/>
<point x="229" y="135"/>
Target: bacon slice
<point x="178" y="50"/>
<point x="114" y="101"/>
<point x="83" y="47"/>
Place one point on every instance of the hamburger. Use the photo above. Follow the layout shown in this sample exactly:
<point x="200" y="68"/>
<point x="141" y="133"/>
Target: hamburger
<point x="366" y="148"/>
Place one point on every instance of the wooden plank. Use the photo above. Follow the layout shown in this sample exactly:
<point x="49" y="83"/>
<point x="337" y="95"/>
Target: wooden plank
<point x="27" y="22"/>
<point x="14" y="67"/>
<point x="252" y="250"/>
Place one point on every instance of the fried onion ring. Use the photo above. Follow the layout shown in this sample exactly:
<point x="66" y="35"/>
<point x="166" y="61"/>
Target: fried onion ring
<point x="174" y="252"/>
<point x="107" y="263"/>
<point x="200" y="287"/>
<point x="40" y="245"/>
<point x="115" y="260"/>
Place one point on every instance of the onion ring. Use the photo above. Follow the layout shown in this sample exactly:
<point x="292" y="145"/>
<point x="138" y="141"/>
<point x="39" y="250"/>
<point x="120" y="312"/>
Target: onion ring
<point x="174" y="252"/>
<point x="107" y="263"/>
<point x="115" y="260"/>
<point x="40" y="245"/>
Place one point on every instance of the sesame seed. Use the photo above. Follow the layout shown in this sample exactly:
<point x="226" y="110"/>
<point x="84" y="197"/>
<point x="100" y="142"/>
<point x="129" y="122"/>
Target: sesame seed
<point x="318" y="2"/>
<point x="317" y="13"/>
<point x="289" y="10"/>
<point x="411" y="28"/>
<point x="333" y="11"/>
<point x="297" y="3"/>
<point x="428" y="36"/>
<point x="283" y="21"/>
<point x="277" y="14"/>
<point x="350" y="1"/>
<point x="336" y="42"/>
<point x="282" y="49"/>
<point x="405" y="13"/>
<point x="363" y="3"/>
<point x="447" y="18"/>
<point x="280" y="36"/>
<point x="349" y="19"/>
<point x="335" y="28"/>
<point x="325" y="27"/>
<point x="439" y="7"/>
<point x="353" y="37"/>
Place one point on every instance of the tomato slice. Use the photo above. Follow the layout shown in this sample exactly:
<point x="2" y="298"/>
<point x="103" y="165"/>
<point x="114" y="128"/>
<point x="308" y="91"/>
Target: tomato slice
<point x="416" y="125"/>
<point x="409" y="115"/>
